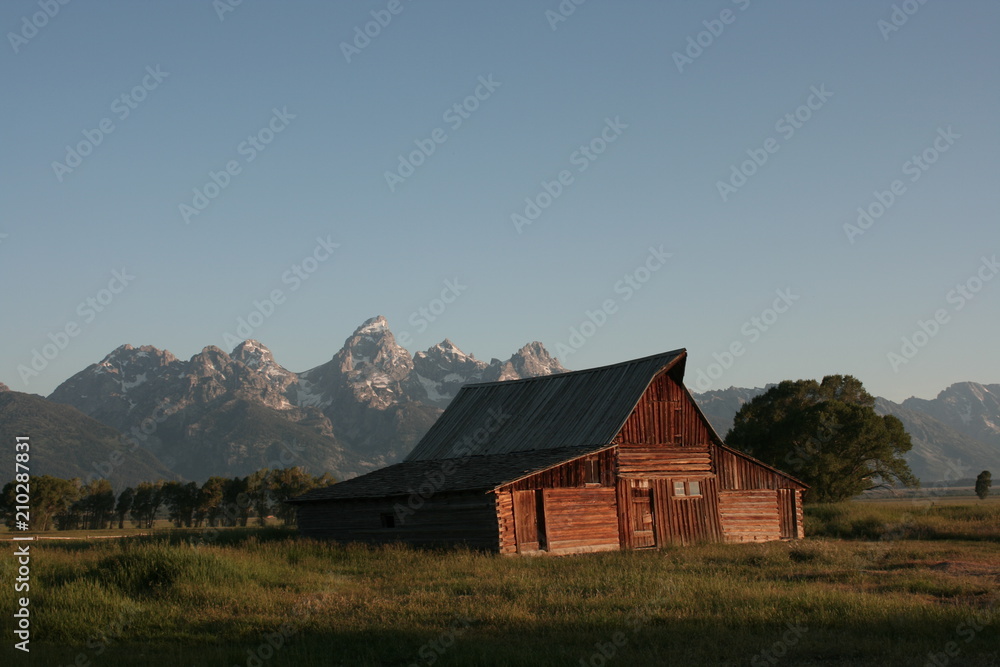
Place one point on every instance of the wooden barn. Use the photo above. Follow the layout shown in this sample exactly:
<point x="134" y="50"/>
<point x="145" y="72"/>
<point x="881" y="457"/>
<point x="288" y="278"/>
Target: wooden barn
<point x="618" y="457"/>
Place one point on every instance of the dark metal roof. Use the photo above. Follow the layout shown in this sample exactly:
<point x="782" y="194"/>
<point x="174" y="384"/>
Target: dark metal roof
<point x="574" y="409"/>
<point x="470" y="473"/>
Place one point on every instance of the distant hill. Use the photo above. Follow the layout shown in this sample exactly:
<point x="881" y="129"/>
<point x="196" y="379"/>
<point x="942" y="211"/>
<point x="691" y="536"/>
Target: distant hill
<point x="67" y="443"/>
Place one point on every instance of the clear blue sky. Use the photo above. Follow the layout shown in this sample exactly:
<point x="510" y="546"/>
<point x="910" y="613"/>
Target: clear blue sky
<point x="676" y="134"/>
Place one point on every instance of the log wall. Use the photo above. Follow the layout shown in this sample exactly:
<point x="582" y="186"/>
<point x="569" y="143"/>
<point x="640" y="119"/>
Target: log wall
<point x="580" y="520"/>
<point x="663" y="460"/>
<point x="750" y="516"/>
<point x="445" y="518"/>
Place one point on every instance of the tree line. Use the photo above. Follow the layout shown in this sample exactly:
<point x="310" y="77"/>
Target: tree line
<point x="68" y="504"/>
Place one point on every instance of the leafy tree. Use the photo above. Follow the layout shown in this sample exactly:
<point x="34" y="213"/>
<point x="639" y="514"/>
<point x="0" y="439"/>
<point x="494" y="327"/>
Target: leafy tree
<point x="50" y="496"/>
<point x="96" y="505"/>
<point x="148" y="498"/>
<point x="181" y="501"/>
<point x="125" y="500"/>
<point x="827" y="434"/>
<point x="235" y="501"/>
<point x="259" y="489"/>
<point x="210" y="500"/>
<point x="983" y="483"/>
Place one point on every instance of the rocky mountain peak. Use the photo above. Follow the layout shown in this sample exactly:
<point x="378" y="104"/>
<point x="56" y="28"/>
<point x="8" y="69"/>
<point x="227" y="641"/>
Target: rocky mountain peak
<point x="374" y="325"/>
<point x="252" y="354"/>
<point x="209" y="361"/>
<point x="969" y="407"/>
<point x="4" y="387"/>
<point x="130" y="354"/>
<point x="530" y="361"/>
<point x="372" y="349"/>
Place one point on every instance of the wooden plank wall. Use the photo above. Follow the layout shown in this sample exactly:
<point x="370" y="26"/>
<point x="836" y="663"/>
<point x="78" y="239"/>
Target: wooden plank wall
<point x="663" y="460"/>
<point x="790" y="513"/>
<point x="750" y="516"/>
<point x="737" y="473"/>
<point x="569" y="475"/>
<point x="580" y="520"/>
<point x="676" y="520"/>
<point x="445" y="518"/>
<point x="687" y="519"/>
<point x="665" y="415"/>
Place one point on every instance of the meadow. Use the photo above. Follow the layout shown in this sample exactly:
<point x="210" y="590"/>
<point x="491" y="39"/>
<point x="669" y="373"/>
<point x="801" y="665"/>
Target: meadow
<point x="876" y="583"/>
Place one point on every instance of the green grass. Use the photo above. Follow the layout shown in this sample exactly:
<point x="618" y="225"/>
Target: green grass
<point x="156" y="600"/>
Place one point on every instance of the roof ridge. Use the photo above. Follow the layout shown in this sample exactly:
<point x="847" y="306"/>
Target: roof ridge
<point x="671" y="353"/>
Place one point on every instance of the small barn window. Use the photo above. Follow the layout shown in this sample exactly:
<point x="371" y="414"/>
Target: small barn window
<point x="388" y="521"/>
<point x="592" y="472"/>
<point x="687" y="488"/>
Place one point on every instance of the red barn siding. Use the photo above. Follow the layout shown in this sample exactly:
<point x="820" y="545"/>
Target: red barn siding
<point x="579" y="520"/>
<point x="663" y="460"/>
<point x="571" y="474"/>
<point x="738" y="473"/>
<point x="750" y="516"/>
<point x="665" y="415"/>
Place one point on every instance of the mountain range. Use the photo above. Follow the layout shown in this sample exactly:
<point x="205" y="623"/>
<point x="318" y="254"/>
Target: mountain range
<point x="233" y="413"/>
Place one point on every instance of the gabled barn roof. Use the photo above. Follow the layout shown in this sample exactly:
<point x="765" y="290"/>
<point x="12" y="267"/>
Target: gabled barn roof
<point x="472" y="473"/>
<point x="580" y="408"/>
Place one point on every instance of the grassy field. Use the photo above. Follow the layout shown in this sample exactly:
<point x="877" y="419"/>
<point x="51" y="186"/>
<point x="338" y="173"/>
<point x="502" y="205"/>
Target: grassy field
<point x="877" y="584"/>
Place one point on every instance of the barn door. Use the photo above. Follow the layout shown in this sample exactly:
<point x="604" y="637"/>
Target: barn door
<point x="641" y="500"/>
<point x="529" y="521"/>
<point x="788" y="517"/>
